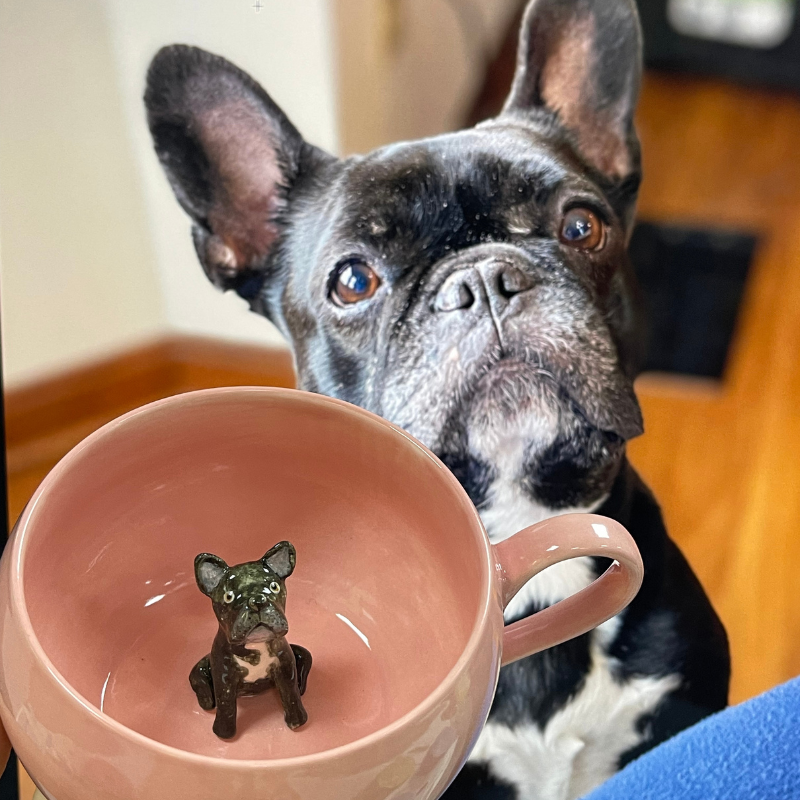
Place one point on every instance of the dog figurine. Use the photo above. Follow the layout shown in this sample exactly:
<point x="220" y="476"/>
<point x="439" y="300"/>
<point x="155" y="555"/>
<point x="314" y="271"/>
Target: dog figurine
<point x="250" y="653"/>
<point x="474" y="288"/>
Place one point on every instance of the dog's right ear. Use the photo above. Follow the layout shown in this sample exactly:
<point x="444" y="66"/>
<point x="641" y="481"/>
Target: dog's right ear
<point x="230" y="154"/>
<point x="209" y="570"/>
<point x="281" y="559"/>
<point x="583" y="60"/>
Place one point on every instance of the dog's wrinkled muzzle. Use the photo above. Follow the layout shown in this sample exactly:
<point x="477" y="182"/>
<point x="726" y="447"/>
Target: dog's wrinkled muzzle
<point x="267" y="616"/>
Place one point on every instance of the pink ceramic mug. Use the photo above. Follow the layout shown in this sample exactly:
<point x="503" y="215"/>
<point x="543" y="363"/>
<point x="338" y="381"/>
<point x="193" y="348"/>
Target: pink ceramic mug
<point x="397" y="592"/>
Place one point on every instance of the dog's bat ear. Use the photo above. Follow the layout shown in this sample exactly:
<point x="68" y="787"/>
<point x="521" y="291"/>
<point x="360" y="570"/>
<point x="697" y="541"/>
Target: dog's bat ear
<point x="231" y="156"/>
<point x="281" y="559"/>
<point x="583" y="60"/>
<point x="209" y="570"/>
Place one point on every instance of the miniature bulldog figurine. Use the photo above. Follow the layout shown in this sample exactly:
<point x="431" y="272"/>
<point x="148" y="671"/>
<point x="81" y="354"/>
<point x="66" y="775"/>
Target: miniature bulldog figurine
<point x="250" y="653"/>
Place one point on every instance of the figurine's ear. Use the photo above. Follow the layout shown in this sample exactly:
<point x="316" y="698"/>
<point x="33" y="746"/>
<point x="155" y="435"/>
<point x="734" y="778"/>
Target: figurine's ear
<point x="209" y="571"/>
<point x="583" y="60"/>
<point x="281" y="559"/>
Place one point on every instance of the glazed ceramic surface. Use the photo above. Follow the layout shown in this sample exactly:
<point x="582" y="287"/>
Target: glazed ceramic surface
<point x="397" y="593"/>
<point x="250" y="653"/>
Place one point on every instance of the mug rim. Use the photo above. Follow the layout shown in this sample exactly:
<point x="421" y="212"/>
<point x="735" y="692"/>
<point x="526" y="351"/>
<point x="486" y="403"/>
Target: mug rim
<point x="16" y="553"/>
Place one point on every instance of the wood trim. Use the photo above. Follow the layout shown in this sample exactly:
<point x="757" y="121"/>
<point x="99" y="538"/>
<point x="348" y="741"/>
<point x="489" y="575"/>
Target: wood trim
<point x="203" y="363"/>
<point x="45" y="405"/>
<point x="47" y="418"/>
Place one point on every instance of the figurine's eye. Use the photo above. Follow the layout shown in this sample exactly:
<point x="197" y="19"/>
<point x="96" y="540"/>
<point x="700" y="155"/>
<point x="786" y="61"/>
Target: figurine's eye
<point x="583" y="229"/>
<point x="353" y="281"/>
<point x="229" y="597"/>
<point x="275" y="587"/>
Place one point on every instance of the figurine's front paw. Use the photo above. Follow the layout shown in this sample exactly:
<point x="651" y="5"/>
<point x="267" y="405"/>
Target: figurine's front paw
<point x="224" y="728"/>
<point x="296" y="717"/>
<point x="203" y="684"/>
<point x="303" y="661"/>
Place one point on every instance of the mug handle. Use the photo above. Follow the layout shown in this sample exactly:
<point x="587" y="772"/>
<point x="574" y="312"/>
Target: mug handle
<point x="557" y="539"/>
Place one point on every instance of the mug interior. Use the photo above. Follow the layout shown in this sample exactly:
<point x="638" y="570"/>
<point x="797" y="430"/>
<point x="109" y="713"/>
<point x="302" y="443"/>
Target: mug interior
<point x="390" y="580"/>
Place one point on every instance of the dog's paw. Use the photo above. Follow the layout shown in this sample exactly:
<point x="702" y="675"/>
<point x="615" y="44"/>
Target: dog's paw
<point x="224" y="728"/>
<point x="296" y="717"/>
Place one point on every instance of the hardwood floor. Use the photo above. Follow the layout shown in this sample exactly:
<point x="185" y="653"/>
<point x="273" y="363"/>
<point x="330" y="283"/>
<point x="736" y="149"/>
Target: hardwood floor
<point x="723" y="458"/>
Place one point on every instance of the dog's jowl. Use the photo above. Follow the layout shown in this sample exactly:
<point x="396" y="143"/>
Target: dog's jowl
<point x="474" y="288"/>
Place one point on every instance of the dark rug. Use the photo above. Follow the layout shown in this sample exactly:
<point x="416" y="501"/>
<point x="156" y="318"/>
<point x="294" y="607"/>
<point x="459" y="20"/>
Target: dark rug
<point x="693" y="282"/>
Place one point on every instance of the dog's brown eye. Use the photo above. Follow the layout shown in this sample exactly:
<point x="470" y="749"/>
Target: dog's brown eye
<point x="354" y="281"/>
<point x="583" y="229"/>
<point x="275" y="588"/>
<point x="228" y="597"/>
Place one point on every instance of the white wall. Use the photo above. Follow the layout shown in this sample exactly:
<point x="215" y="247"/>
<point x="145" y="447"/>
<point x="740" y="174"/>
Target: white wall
<point x="95" y="252"/>
<point x="287" y="47"/>
<point x="78" y="277"/>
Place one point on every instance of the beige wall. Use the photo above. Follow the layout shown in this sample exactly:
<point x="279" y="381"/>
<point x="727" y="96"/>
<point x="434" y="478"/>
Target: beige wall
<point x="95" y="252"/>
<point x="287" y="47"/>
<point x="78" y="277"/>
<point x="411" y="68"/>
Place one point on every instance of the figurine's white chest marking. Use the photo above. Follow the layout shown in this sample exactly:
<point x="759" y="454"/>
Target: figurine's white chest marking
<point x="257" y="672"/>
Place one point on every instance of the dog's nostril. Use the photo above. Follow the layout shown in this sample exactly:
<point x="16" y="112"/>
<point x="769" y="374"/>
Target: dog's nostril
<point x="454" y="296"/>
<point x="465" y="296"/>
<point x="510" y="282"/>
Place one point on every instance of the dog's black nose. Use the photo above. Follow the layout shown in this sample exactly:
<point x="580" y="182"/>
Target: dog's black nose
<point x="257" y="602"/>
<point x="494" y="281"/>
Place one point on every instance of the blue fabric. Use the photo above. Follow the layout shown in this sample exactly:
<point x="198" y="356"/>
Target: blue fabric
<point x="747" y="752"/>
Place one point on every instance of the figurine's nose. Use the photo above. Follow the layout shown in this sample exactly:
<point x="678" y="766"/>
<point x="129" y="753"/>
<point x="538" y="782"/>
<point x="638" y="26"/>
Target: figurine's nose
<point x="257" y="602"/>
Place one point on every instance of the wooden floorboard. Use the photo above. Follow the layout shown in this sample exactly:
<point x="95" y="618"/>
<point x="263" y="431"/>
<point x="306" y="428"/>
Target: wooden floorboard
<point x="725" y="462"/>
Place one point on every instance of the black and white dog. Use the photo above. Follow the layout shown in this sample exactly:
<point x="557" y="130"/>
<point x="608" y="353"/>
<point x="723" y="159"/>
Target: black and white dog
<point x="474" y="288"/>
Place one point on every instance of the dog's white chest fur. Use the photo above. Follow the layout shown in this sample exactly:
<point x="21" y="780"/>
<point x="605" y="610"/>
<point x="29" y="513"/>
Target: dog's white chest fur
<point x="257" y="672"/>
<point x="581" y="744"/>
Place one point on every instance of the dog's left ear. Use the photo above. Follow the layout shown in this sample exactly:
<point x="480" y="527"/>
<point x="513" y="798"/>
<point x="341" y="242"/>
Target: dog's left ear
<point x="209" y="570"/>
<point x="281" y="559"/>
<point x="231" y="156"/>
<point x="583" y="60"/>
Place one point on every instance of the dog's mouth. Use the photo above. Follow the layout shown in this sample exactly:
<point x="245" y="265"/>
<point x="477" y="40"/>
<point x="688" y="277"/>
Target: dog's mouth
<point x="511" y="387"/>
<point x="260" y="633"/>
<point x="497" y="368"/>
<point x="514" y="378"/>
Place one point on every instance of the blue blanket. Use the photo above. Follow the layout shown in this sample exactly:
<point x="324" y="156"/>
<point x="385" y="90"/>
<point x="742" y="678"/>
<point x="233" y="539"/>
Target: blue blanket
<point x="747" y="752"/>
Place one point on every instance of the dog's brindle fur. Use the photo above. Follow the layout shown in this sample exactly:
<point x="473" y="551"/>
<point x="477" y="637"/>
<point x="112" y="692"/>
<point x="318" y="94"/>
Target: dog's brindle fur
<point x="250" y="653"/>
<point x="507" y="350"/>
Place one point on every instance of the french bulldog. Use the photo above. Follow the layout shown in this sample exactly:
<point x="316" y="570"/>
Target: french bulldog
<point x="474" y="288"/>
<point x="250" y="653"/>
